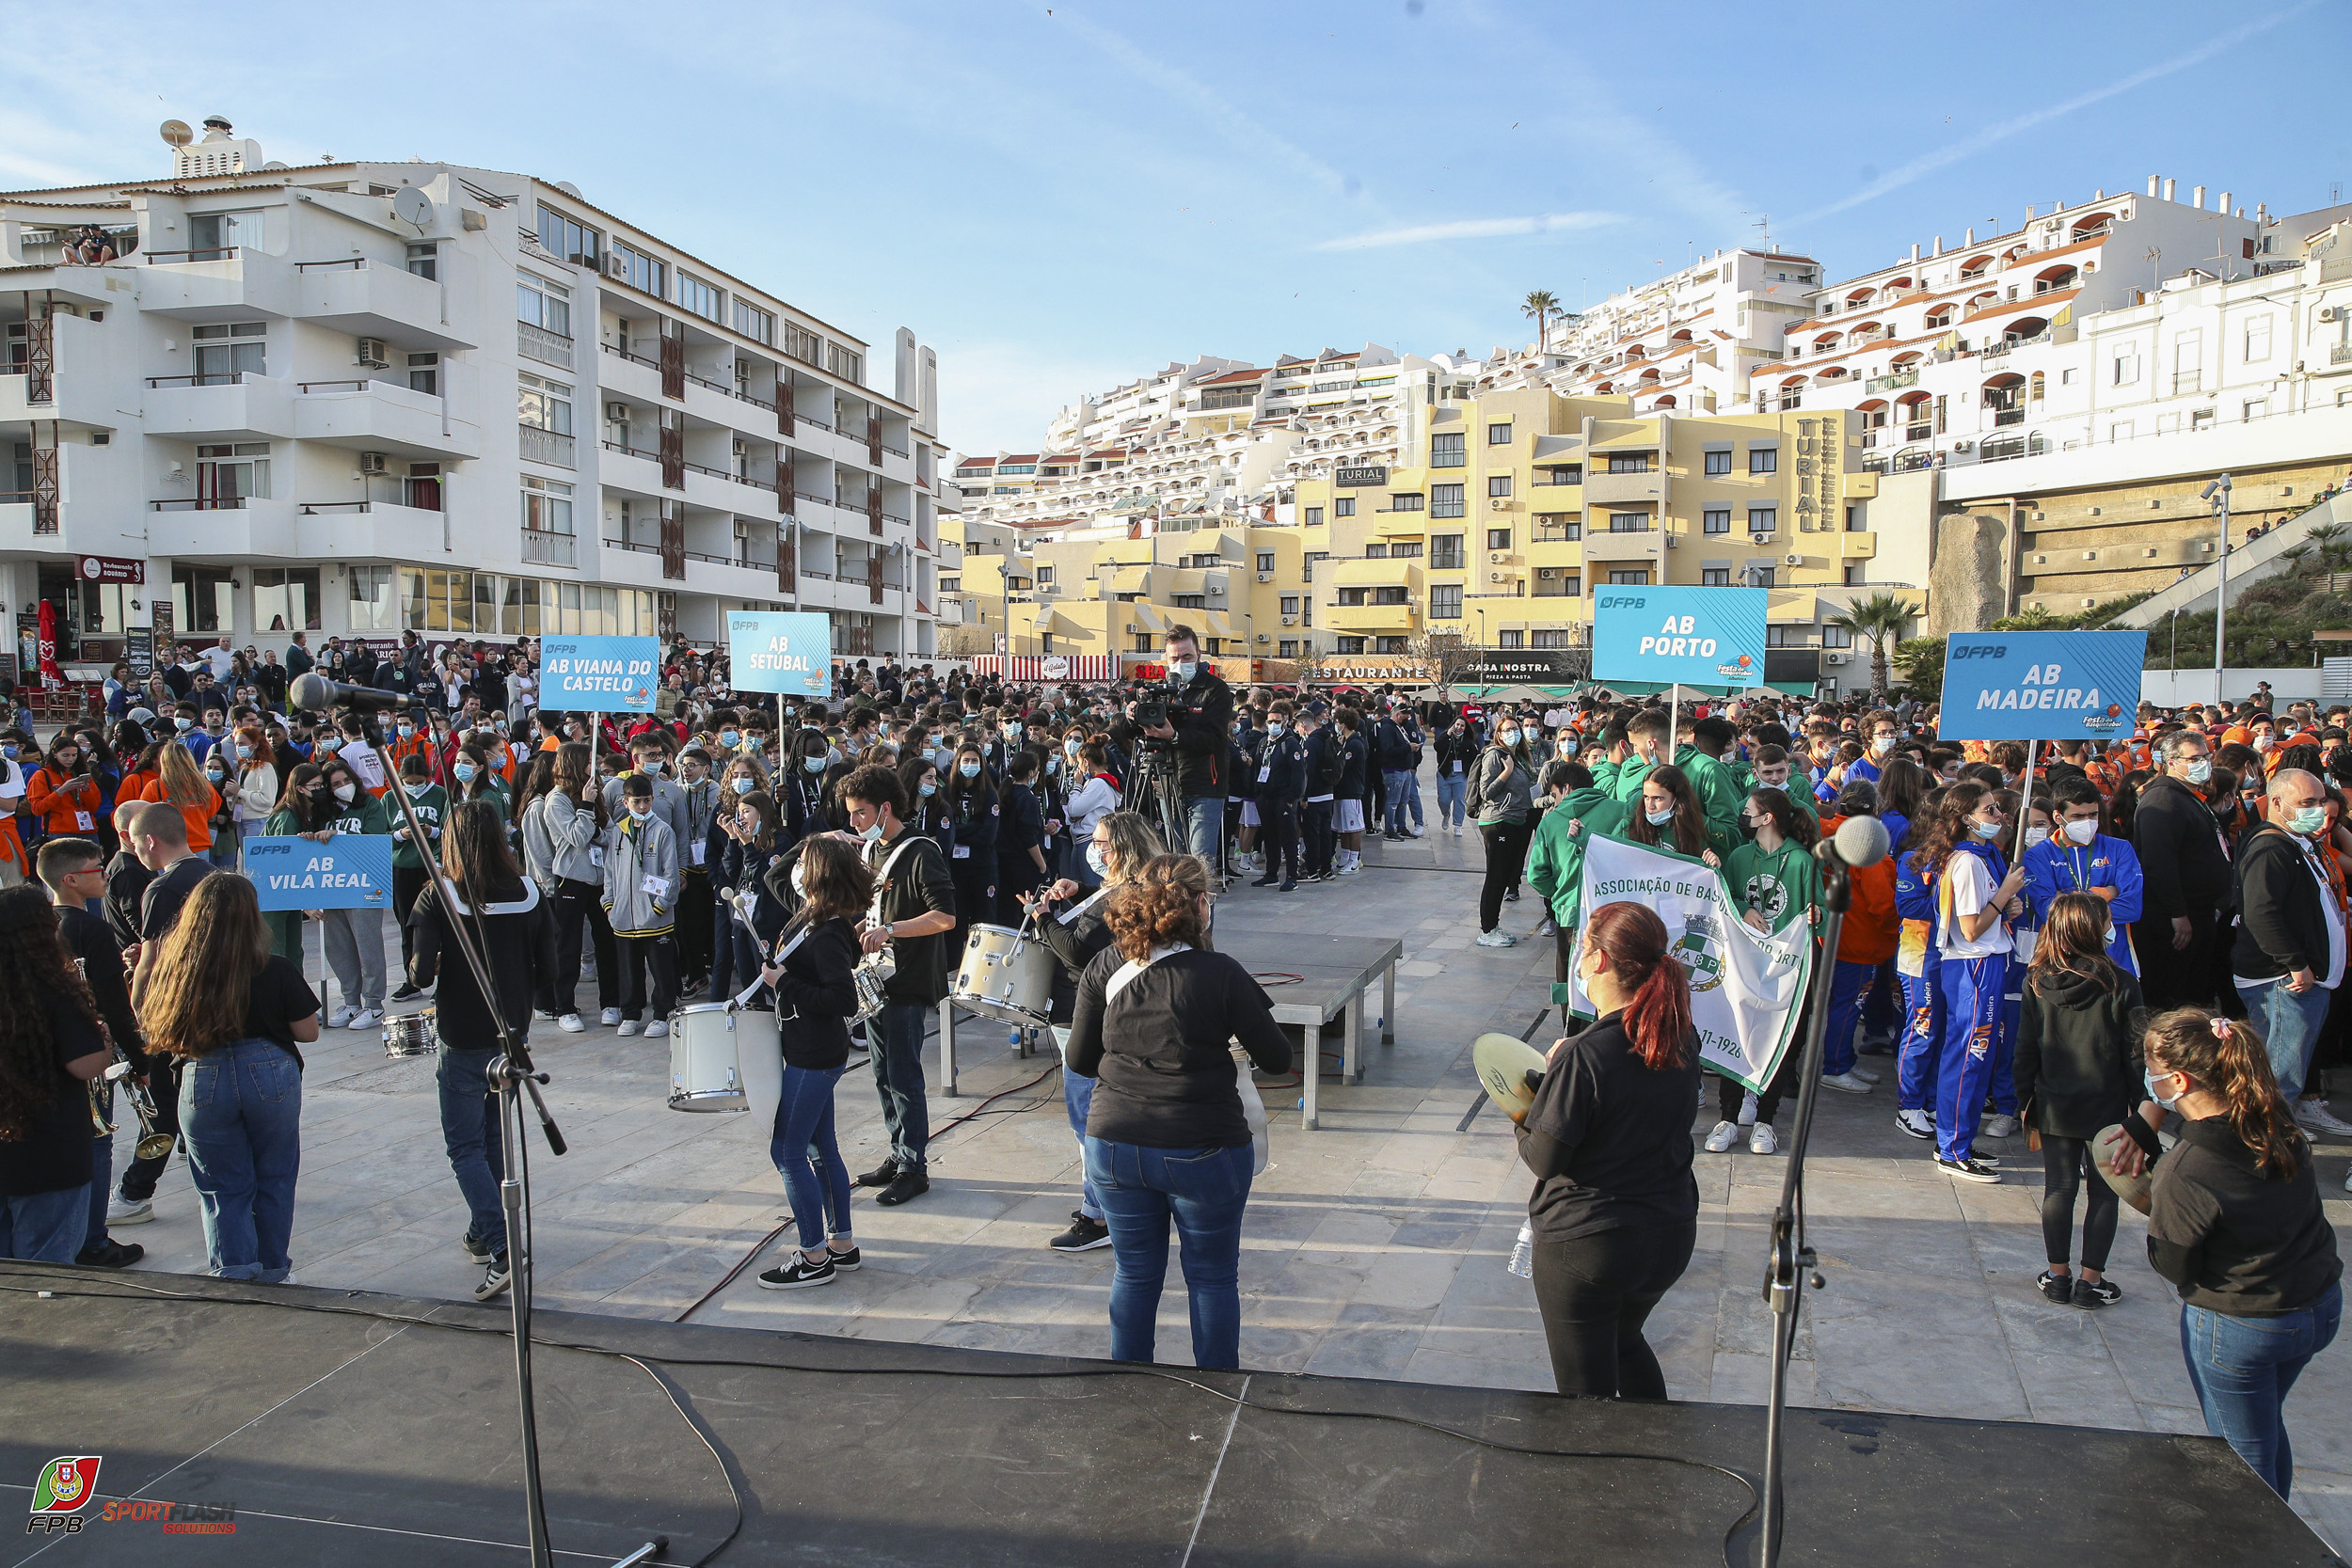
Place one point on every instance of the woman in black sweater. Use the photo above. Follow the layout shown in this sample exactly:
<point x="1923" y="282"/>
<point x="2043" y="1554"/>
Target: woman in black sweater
<point x="746" y="829"/>
<point x="975" y="812"/>
<point x="2077" y="1072"/>
<point x="1167" y="1137"/>
<point x="2237" y="1225"/>
<point x="816" y="997"/>
<point x="1615" y="1209"/>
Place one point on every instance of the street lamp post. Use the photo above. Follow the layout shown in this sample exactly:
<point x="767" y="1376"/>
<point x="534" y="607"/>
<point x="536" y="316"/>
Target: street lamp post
<point x="2217" y="492"/>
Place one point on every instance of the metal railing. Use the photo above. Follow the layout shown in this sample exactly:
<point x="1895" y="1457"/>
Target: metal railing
<point x="231" y="378"/>
<point x="545" y="446"/>
<point x="215" y="253"/>
<point x="2009" y="415"/>
<point x="542" y="549"/>
<point x="355" y="263"/>
<point x="200" y="503"/>
<point x="547" y="348"/>
<point x="307" y="386"/>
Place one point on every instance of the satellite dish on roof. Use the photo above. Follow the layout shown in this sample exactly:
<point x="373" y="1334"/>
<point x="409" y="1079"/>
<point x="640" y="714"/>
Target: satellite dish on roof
<point x="276" y="163"/>
<point x="569" y="189"/>
<point x="412" y="207"/>
<point x="176" y="133"/>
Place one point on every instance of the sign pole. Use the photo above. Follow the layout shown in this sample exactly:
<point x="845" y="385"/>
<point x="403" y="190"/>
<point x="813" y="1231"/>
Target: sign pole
<point x="2025" y="803"/>
<point x="1674" y="717"/>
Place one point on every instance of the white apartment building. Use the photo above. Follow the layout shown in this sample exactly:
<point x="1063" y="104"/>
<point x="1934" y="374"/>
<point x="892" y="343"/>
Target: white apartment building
<point x="1126" y="411"/>
<point x="284" y="406"/>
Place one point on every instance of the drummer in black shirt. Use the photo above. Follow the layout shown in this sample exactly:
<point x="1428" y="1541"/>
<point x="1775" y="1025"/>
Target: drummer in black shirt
<point x="72" y="870"/>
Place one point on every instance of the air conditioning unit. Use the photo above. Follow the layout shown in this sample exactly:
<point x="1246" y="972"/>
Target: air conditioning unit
<point x="373" y="354"/>
<point x="617" y="412"/>
<point x="1834" y="657"/>
<point x="1498" y="577"/>
<point x="1216" y="588"/>
<point x="1266" y="576"/>
<point x="1290" y="619"/>
<point x="615" y="265"/>
<point x="1495" y="558"/>
<point x="1264" y="638"/>
<point x="1792" y="559"/>
<point x="371" y="463"/>
<point x="1498" y="503"/>
<point x="1674" y="541"/>
<point x="2331" y="312"/>
<point x="1547" y="572"/>
<point x="1963" y="446"/>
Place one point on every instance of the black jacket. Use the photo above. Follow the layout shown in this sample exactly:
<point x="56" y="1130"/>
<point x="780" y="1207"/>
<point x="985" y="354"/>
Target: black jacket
<point x="2283" y="925"/>
<point x="2078" y="1061"/>
<point x="1283" y="767"/>
<point x="1160" y="1054"/>
<point x="816" y="997"/>
<point x="519" y="945"/>
<point x="1608" y="1139"/>
<point x="2234" y="1240"/>
<point x="1324" y="759"/>
<point x="1462" y="749"/>
<point x="1394" y="747"/>
<point x="1073" y="931"/>
<point x="2181" y="854"/>
<point x="1203" y="716"/>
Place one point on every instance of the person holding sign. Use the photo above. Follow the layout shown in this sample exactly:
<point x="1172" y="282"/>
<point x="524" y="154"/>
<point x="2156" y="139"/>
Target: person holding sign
<point x="1977" y="893"/>
<point x="1776" y="883"/>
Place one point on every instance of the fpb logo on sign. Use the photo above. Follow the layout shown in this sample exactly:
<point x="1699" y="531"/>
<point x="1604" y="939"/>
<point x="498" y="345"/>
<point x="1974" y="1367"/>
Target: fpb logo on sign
<point x="66" y="1484"/>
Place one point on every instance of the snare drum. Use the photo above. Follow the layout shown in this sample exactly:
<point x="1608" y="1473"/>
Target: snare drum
<point x="722" y="1059"/>
<point x="413" y="1036"/>
<point x="1005" y="977"/>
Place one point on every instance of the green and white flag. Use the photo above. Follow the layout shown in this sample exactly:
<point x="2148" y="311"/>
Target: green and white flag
<point x="1746" y="989"/>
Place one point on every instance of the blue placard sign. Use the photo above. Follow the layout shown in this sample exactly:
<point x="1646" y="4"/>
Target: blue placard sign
<point x="1696" y="636"/>
<point x="350" y="871"/>
<point x="2041" y="685"/>
<point x="598" y="674"/>
<point x="780" y="650"/>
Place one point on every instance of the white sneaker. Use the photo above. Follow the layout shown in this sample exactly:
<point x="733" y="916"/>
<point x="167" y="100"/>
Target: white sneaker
<point x="1916" y="1123"/>
<point x="341" y="1016"/>
<point x="2317" y="1117"/>
<point x="123" y="1211"/>
<point x="370" y="1019"/>
<point x="1412" y="833"/>
<point x="1497" y="938"/>
<point x="1351" y="868"/>
<point x="1761" y="1139"/>
<point x="570" y="1023"/>
<point x="1844" y="1082"/>
<point x="1722" y="1138"/>
<point x="2005" y="1127"/>
<point x="1858" y="1071"/>
<point x="611" y="1016"/>
<point x="631" y="1026"/>
<point x="1747" y="1109"/>
<point x="655" y="1030"/>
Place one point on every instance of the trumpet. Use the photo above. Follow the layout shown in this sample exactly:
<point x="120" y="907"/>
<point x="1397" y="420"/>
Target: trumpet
<point x="152" y="1144"/>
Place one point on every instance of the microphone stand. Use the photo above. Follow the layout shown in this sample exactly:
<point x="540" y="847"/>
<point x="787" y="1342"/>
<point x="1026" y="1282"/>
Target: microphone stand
<point x="509" y="1077"/>
<point x="1789" y="1268"/>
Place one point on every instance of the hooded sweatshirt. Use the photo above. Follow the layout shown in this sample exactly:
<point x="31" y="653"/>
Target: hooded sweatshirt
<point x="2079" y="1062"/>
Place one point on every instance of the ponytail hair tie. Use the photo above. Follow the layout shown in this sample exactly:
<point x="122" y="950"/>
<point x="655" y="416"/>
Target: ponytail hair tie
<point x="2221" y="1028"/>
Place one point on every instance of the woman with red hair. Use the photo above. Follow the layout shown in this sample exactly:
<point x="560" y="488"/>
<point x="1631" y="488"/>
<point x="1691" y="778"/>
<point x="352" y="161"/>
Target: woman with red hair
<point x="1615" y="1209"/>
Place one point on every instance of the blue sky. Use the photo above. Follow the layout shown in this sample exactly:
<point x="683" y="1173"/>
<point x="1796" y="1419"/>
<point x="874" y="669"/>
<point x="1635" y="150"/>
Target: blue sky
<point x="1062" y="197"/>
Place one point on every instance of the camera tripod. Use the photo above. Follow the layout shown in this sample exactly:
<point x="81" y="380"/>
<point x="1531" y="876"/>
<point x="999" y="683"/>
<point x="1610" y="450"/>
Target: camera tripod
<point x="1154" y="790"/>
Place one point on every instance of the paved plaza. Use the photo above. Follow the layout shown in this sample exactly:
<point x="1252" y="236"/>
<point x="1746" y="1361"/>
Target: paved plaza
<point x="1373" y="1247"/>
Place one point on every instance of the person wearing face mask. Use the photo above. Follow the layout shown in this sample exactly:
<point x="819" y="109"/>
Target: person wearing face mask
<point x="1094" y="795"/>
<point x="1977" y="893"/>
<point x="1555" y="856"/>
<point x="62" y="794"/>
<point x="1501" y="797"/>
<point x="2289" y="956"/>
<point x="253" y="771"/>
<point x="976" y="810"/>
<point x="746" y="828"/>
<point x="565" y="831"/>
<point x="353" y="939"/>
<point x="411" y="861"/>
<point x="2185" y="861"/>
<point x="305" y="810"/>
<point x="1458" y="754"/>
<point x="2078" y="857"/>
<point x="1880" y="731"/>
<point x="1199" y="724"/>
<point x="641" y="882"/>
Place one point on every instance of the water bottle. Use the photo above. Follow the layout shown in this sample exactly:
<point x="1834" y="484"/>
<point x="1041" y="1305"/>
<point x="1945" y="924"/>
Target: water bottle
<point x="1523" y="1254"/>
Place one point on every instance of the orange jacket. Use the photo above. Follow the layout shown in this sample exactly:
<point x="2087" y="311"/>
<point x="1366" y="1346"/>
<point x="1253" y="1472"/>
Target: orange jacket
<point x="199" y="818"/>
<point x="62" y="803"/>
<point x="1871" y="929"/>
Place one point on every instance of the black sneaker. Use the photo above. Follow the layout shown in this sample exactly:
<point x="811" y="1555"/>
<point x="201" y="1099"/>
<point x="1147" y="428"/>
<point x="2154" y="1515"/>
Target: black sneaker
<point x="845" y="1262"/>
<point x="477" y="1250"/>
<point x="2057" y="1288"/>
<point x="1287" y="887"/>
<point x="111" y="1254"/>
<point x="880" y="1175"/>
<point x="406" y="993"/>
<point x="1968" y="1170"/>
<point x="495" y="1279"/>
<point x="797" y="1272"/>
<point x="1084" y="1235"/>
<point x="2091" y="1294"/>
<point x="1266" y="881"/>
<point x="1510" y="895"/>
<point x="910" y="1184"/>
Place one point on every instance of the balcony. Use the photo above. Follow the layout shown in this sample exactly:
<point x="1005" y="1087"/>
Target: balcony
<point x="227" y="529"/>
<point x="226" y="284"/>
<point x="370" y="299"/>
<point x="359" y="530"/>
<point x="1891" y="383"/>
<point x="1371" y="617"/>
<point x="379" y="416"/>
<point x="534" y="445"/>
<point x="1609" y="489"/>
<point x="547" y="348"/>
<point x="1857" y="547"/>
<point x="2007" y="416"/>
<point x="1611" y="545"/>
<point x="541" y="548"/>
<point x="236" y="407"/>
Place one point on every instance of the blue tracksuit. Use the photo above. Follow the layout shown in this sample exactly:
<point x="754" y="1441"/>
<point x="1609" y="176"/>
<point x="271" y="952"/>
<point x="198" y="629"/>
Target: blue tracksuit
<point x="1974" y="991"/>
<point x="2055" y="866"/>
<point x="1916" y="961"/>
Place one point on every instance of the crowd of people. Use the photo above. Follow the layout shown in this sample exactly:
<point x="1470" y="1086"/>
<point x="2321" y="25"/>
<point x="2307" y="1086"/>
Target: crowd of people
<point x="2146" y="933"/>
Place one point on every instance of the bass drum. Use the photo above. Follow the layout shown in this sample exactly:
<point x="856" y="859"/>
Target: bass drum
<point x="723" y="1058"/>
<point x="1006" y="976"/>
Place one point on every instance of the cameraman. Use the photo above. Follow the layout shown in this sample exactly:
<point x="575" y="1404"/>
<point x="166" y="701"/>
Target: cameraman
<point x="1200" y="721"/>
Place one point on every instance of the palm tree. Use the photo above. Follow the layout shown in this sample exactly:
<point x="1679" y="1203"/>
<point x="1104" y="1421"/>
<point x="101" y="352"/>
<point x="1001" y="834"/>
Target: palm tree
<point x="1881" y="618"/>
<point x="1544" y="306"/>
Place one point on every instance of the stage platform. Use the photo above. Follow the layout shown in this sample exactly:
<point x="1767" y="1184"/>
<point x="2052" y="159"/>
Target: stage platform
<point x="344" y="1431"/>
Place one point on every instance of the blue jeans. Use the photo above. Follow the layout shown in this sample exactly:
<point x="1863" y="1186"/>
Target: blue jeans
<point x="241" y="1111"/>
<point x="2243" y="1368"/>
<point x="48" y="1227"/>
<point x="469" y="1131"/>
<point x="1077" y="1099"/>
<point x="805" y="1155"/>
<point x="1204" y="824"/>
<point x="1849" y="993"/>
<point x="1399" y="785"/>
<point x="2290" y="1026"/>
<point x="1204" y="1191"/>
<point x="898" y="1079"/>
<point x="1452" y="789"/>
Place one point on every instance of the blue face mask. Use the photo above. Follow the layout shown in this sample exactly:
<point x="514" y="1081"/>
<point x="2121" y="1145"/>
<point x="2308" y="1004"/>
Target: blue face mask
<point x="2150" y="1079"/>
<point x="743" y="785"/>
<point x="871" y="834"/>
<point x="407" y="730"/>
<point x="814" y="765"/>
<point x="2308" y="820"/>
<point x="926" y="789"/>
<point x="1659" y="819"/>
<point x="728" y="737"/>
<point x="969" y="770"/>
<point x="464" y="771"/>
<point x="1985" y="829"/>
<point x="1094" y="861"/>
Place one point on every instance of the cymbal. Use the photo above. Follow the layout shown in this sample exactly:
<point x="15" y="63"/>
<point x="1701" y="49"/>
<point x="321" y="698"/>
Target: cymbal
<point x="1504" y="1063"/>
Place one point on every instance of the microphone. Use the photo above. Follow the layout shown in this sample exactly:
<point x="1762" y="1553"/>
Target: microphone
<point x="1859" y="841"/>
<point x="316" y="692"/>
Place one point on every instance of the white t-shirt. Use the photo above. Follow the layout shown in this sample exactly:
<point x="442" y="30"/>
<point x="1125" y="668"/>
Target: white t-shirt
<point x="219" y="658"/>
<point x="1966" y="888"/>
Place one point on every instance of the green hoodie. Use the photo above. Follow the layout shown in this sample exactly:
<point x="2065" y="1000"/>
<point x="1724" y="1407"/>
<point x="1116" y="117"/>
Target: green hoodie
<point x="432" y="806"/>
<point x="1555" y="860"/>
<point x="1720" y="796"/>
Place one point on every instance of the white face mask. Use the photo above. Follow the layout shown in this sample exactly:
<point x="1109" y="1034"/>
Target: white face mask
<point x="2082" y="832"/>
<point x="640" y="813"/>
<point x="2037" y="835"/>
<point x="346" y="793"/>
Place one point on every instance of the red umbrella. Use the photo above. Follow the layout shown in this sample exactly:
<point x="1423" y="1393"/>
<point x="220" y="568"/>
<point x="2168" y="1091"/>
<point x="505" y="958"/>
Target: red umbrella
<point x="50" y="676"/>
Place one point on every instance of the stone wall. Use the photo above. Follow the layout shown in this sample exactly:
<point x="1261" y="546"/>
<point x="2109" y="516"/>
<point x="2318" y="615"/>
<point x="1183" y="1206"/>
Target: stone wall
<point x="1965" y="589"/>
